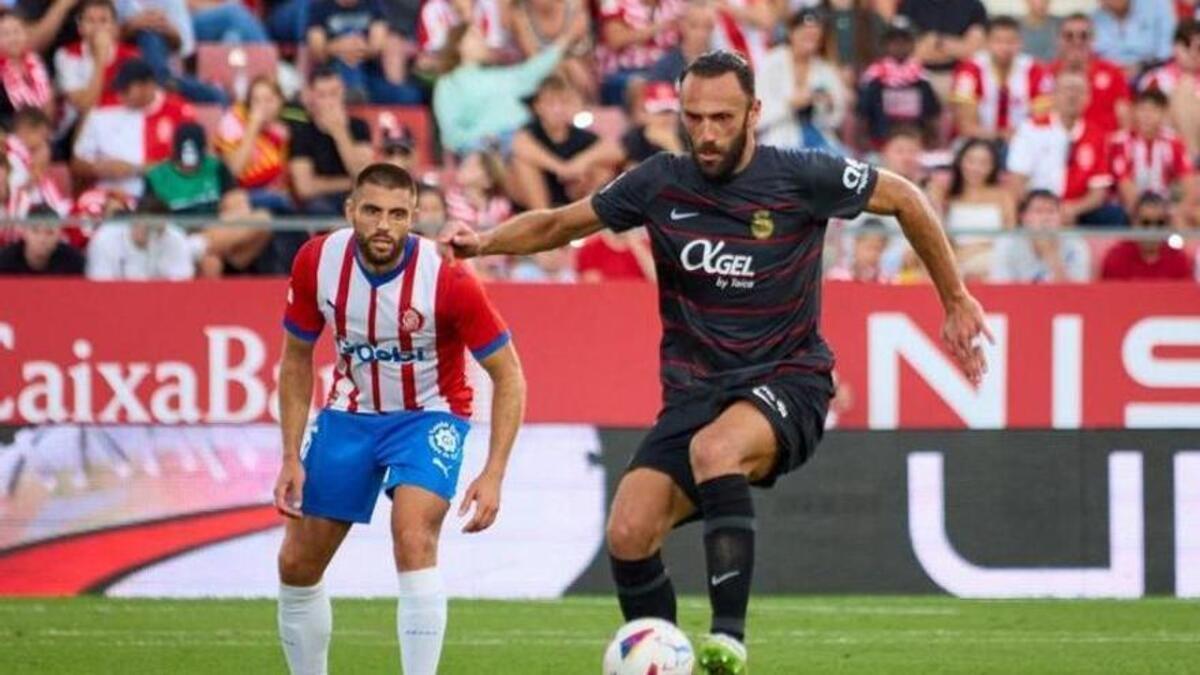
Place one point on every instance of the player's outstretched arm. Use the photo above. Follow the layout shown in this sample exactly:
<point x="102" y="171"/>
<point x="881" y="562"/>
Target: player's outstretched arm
<point x="508" y="409"/>
<point x="295" y="397"/>
<point x="529" y="232"/>
<point x="896" y="196"/>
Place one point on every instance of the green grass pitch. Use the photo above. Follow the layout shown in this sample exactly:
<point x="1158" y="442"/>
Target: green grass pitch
<point x="787" y="635"/>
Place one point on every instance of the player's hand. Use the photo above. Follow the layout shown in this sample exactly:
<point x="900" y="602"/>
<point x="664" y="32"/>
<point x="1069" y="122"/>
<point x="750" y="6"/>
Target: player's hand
<point x="961" y="332"/>
<point x="485" y="494"/>
<point x="289" y="487"/>
<point x="459" y="240"/>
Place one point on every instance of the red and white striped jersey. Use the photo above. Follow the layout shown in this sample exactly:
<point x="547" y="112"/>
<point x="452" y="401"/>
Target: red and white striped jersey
<point x="741" y="37"/>
<point x="400" y="337"/>
<point x="1003" y="105"/>
<point x="438" y="17"/>
<point x="1153" y="164"/>
<point x="637" y="14"/>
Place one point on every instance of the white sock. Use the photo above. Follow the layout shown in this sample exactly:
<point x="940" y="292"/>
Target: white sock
<point x="421" y="620"/>
<point x="305" y="625"/>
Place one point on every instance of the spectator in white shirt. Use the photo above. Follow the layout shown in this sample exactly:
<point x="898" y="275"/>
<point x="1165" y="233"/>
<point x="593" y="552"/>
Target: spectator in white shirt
<point x="139" y="252"/>
<point x="1044" y="256"/>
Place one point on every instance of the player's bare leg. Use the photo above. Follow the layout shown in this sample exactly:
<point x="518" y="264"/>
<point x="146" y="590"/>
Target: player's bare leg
<point x="737" y="447"/>
<point x="647" y="505"/>
<point x="305" y="615"/>
<point x="417" y="517"/>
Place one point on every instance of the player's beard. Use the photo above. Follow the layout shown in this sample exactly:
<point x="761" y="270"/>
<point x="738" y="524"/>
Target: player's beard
<point x="374" y="258"/>
<point x="729" y="161"/>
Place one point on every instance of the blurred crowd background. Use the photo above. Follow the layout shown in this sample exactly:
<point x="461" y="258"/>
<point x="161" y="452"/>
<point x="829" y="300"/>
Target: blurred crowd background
<point x="155" y="131"/>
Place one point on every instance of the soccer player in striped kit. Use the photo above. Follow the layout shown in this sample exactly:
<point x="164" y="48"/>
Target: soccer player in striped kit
<point x="737" y="231"/>
<point x="397" y="414"/>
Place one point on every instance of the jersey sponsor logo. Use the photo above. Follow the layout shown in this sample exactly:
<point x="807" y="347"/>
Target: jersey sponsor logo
<point x="366" y="353"/>
<point x="683" y="215"/>
<point x="411" y="320"/>
<point x="762" y="225"/>
<point x="855" y="175"/>
<point x="446" y="443"/>
<point x="702" y="254"/>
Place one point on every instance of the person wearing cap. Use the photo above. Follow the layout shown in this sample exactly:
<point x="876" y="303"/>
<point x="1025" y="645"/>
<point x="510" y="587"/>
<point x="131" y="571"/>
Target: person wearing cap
<point x="895" y="90"/>
<point x="808" y="100"/>
<point x="398" y="146"/>
<point x="117" y="142"/>
<point x="555" y="161"/>
<point x="658" y="129"/>
<point x="193" y="182"/>
<point x="254" y="142"/>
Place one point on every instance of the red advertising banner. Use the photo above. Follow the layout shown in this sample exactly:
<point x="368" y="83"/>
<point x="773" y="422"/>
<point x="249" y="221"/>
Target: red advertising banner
<point x="1094" y="356"/>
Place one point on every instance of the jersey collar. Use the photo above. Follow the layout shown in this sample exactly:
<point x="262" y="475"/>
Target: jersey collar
<point x="377" y="280"/>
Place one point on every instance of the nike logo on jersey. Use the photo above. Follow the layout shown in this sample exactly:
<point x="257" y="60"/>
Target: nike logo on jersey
<point x="683" y="215"/>
<point x="718" y="580"/>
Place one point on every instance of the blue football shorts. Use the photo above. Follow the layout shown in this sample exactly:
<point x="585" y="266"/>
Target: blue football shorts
<point x="348" y="457"/>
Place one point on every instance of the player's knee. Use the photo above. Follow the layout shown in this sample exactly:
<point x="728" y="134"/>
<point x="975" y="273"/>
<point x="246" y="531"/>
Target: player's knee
<point x="415" y="548"/>
<point x="297" y="570"/>
<point x="714" y="454"/>
<point x="632" y="539"/>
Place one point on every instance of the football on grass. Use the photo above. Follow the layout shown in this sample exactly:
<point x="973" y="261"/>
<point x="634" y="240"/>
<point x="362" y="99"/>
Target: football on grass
<point x="649" y="647"/>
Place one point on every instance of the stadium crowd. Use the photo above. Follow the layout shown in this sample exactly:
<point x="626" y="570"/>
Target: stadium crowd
<point x="115" y="110"/>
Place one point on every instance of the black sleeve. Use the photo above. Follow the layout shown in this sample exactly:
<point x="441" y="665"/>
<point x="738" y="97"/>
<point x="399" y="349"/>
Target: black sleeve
<point x="833" y="186"/>
<point x="360" y="130"/>
<point x="621" y="205"/>
<point x="302" y="141"/>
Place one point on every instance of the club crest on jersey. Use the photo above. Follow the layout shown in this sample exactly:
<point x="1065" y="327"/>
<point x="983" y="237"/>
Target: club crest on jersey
<point x="411" y="320"/>
<point x="762" y="226"/>
<point x="445" y="440"/>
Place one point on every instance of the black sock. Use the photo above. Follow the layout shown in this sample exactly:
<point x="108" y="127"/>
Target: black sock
<point x="643" y="588"/>
<point x="729" y="548"/>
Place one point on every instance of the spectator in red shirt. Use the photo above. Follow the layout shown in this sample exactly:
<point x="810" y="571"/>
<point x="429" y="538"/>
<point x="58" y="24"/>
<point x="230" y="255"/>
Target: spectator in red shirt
<point x="608" y="256"/>
<point x="1179" y="79"/>
<point x="23" y="77"/>
<point x="1108" y="107"/>
<point x="1150" y="157"/>
<point x="634" y="35"/>
<point x="1147" y="258"/>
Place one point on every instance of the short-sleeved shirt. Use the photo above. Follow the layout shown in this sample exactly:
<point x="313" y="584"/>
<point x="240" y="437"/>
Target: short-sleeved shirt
<point x="310" y="142"/>
<point x="1108" y="86"/>
<point x="64" y="261"/>
<point x="738" y="261"/>
<point x="140" y="137"/>
<point x="1124" y="262"/>
<point x="1153" y="164"/>
<point x="1067" y="162"/>
<point x="197" y="192"/>
<point x="577" y="141"/>
<point x="269" y="156"/>
<point x="400" y="337"/>
<point x="337" y="19"/>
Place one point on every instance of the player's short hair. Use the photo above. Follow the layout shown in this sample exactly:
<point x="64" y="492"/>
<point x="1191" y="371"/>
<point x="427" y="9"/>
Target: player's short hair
<point x="103" y="4"/>
<point x="29" y="117"/>
<point x="1034" y="195"/>
<point x="1002" y="22"/>
<point x="1186" y="31"/>
<point x="1153" y="96"/>
<point x="717" y="63"/>
<point x="387" y="176"/>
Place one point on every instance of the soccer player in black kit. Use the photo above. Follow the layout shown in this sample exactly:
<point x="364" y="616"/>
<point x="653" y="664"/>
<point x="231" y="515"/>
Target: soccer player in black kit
<point x="737" y="231"/>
